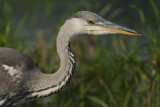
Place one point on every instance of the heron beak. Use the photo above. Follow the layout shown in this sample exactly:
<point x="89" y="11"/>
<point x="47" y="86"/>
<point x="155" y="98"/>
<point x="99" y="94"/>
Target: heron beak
<point x="116" y="29"/>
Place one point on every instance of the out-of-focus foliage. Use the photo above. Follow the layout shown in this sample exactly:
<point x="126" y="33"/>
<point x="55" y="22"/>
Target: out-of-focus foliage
<point x="112" y="71"/>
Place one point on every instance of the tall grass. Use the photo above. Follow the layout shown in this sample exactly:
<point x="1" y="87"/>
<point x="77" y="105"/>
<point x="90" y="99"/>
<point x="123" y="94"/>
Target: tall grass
<point x="115" y="73"/>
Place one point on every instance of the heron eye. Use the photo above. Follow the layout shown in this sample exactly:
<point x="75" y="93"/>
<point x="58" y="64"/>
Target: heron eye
<point x="90" y="22"/>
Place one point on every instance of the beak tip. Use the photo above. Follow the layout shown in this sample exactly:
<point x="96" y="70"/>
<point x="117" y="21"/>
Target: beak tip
<point x="135" y="33"/>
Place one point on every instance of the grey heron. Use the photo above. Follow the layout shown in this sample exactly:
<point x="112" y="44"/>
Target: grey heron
<point x="20" y="80"/>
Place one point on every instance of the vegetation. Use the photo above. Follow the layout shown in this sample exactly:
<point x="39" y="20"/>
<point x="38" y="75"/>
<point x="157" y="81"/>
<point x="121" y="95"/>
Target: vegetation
<point x="112" y="71"/>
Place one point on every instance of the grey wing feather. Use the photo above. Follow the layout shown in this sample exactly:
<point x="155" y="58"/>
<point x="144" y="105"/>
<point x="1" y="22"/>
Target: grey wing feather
<point x="14" y="68"/>
<point x="15" y="58"/>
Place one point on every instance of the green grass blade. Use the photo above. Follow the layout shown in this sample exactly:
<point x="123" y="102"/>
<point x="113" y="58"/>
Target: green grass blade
<point x="141" y="13"/>
<point x="126" y="99"/>
<point x="97" y="101"/>
<point x="156" y="10"/>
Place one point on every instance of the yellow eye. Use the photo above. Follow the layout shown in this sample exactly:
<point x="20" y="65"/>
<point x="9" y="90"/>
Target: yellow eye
<point x="90" y="21"/>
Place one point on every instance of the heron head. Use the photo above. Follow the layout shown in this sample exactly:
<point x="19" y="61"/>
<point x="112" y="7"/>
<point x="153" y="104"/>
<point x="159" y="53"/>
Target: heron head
<point x="90" y="23"/>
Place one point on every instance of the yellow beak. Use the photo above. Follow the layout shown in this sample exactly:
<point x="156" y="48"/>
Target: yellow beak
<point x="116" y="29"/>
<point x="119" y="31"/>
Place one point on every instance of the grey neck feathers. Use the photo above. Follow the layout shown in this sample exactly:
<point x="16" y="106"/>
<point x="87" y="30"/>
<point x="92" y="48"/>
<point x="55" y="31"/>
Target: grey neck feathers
<point x="51" y="83"/>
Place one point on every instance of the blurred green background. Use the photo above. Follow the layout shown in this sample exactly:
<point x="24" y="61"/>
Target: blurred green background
<point x="111" y="71"/>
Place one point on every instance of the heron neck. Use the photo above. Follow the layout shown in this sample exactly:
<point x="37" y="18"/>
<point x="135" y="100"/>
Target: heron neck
<point x="52" y="83"/>
<point x="67" y="59"/>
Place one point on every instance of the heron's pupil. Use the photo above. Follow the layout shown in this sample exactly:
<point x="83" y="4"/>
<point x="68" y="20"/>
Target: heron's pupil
<point x="90" y="22"/>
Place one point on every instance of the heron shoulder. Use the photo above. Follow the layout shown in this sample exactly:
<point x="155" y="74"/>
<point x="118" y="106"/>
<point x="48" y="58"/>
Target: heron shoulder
<point x="15" y="59"/>
<point x="15" y="67"/>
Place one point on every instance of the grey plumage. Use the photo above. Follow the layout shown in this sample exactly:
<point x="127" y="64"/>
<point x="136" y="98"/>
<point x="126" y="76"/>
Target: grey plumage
<point x="20" y="80"/>
<point x="86" y="15"/>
